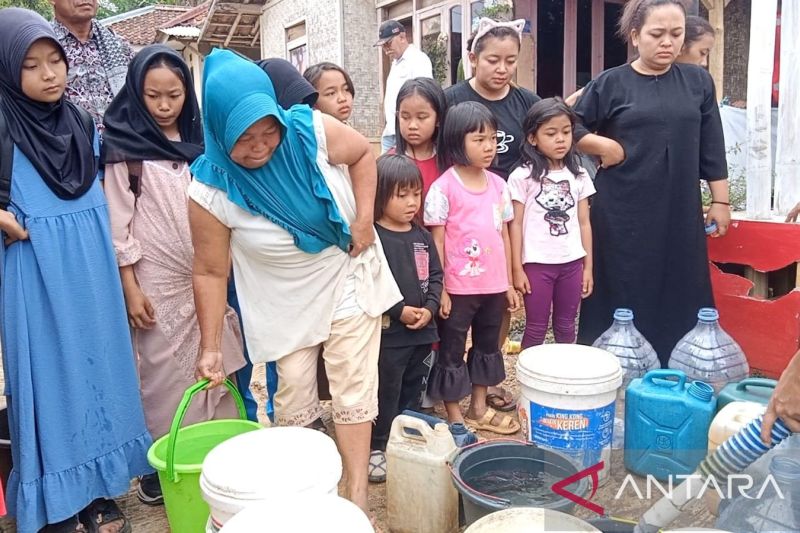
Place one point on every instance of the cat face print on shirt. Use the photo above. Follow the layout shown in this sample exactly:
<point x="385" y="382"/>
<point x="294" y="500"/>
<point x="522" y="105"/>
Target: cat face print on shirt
<point x="557" y="199"/>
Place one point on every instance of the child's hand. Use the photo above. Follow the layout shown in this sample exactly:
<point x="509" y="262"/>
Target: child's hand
<point x="410" y="315"/>
<point x="514" y="299"/>
<point x="425" y="317"/>
<point x="141" y="314"/>
<point x="521" y="282"/>
<point x="588" y="283"/>
<point x="445" y="306"/>
<point x="14" y="232"/>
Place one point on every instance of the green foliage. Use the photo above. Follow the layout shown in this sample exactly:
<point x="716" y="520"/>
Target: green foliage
<point x="498" y="12"/>
<point x="40" y="6"/>
<point x="435" y="46"/>
<point x="737" y="184"/>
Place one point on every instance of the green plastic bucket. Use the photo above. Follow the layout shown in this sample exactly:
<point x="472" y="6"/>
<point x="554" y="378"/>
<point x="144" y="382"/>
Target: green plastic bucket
<point x="178" y="458"/>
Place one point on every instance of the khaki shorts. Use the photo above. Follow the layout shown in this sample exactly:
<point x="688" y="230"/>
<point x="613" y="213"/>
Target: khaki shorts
<point x="351" y="362"/>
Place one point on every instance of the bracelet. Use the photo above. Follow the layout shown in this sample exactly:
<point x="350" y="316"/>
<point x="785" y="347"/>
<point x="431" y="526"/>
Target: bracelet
<point x="720" y="203"/>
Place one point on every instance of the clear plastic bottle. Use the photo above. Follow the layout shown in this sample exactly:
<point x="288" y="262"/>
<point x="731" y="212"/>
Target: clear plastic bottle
<point x="777" y="508"/>
<point x="709" y="354"/>
<point x="635" y="354"/>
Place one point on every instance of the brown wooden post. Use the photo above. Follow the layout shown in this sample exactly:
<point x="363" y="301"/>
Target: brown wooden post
<point x="570" y="46"/>
<point x="598" y="36"/>
<point x="716" y="61"/>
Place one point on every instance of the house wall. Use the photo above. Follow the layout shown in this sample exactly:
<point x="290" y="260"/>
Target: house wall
<point x="361" y="60"/>
<point x="339" y="32"/>
<point x="323" y="22"/>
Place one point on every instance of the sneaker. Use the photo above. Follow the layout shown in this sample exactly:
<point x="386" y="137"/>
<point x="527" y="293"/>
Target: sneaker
<point x="377" y="466"/>
<point x="149" y="490"/>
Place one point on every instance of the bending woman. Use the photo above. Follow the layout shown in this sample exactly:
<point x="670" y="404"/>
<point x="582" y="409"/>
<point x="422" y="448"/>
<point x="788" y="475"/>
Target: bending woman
<point x="268" y="189"/>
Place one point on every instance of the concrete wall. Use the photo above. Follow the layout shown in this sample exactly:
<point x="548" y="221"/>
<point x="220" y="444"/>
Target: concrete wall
<point x="339" y="32"/>
<point x="323" y="24"/>
<point x="361" y="62"/>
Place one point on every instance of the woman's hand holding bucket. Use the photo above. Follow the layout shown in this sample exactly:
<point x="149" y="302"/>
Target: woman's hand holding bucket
<point x="209" y="366"/>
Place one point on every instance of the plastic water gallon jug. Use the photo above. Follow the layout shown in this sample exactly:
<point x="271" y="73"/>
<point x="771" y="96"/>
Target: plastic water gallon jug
<point x="666" y="424"/>
<point x="709" y="354"/>
<point x="313" y="513"/>
<point x="460" y="433"/>
<point x="567" y="401"/>
<point x="254" y="468"/>
<point x="636" y="356"/>
<point x="777" y="508"/>
<point x="726" y="423"/>
<point x="748" y="390"/>
<point x="420" y="495"/>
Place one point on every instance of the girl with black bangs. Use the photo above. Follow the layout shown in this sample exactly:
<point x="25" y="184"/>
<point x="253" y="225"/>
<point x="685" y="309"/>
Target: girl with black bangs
<point x="468" y="209"/>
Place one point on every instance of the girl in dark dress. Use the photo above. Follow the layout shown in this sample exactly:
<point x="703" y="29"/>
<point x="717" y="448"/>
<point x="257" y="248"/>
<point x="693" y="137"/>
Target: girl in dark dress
<point x="662" y="118"/>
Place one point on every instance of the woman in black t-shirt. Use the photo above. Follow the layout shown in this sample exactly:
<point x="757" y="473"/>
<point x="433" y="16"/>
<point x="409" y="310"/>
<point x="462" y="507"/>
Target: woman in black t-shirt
<point x="493" y="55"/>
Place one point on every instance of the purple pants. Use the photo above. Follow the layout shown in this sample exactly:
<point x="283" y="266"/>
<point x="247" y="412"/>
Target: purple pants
<point x="556" y="286"/>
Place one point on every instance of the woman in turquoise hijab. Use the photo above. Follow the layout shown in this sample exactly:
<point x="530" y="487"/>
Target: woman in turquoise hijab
<point x="270" y="194"/>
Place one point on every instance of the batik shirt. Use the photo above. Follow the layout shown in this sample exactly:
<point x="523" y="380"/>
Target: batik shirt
<point x="90" y="85"/>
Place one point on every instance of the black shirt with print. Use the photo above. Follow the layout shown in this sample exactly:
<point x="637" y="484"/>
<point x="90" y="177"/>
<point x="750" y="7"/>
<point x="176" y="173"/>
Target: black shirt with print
<point x="509" y="112"/>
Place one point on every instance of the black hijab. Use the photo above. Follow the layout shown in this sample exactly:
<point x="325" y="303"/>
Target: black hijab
<point x="132" y="134"/>
<point x="290" y="86"/>
<point x="52" y="136"/>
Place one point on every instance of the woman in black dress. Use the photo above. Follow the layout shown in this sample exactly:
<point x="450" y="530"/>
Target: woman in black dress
<point x="658" y="133"/>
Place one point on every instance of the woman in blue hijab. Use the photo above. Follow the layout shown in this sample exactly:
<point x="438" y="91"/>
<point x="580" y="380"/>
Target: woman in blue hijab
<point x="271" y="194"/>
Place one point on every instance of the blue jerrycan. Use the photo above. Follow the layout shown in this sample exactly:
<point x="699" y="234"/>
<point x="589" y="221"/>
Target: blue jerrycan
<point x="666" y="424"/>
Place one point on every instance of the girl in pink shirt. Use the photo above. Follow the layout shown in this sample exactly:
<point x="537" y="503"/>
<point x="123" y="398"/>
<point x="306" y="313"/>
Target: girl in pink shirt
<point x="551" y="237"/>
<point x="468" y="209"/>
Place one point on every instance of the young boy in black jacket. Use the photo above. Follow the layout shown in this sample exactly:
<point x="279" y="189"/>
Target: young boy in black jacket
<point x="409" y="328"/>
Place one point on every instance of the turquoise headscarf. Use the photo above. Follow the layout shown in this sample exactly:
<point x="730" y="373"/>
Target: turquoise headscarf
<point x="290" y="189"/>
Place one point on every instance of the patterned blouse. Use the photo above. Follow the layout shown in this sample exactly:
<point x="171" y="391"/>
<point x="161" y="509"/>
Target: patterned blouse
<point x="89" y="83"/>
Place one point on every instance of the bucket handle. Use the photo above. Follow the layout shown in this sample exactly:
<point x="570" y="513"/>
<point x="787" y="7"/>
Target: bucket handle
<point x="756" y="382"/>
<point x="177" y="420"/>
<point x="664" y="373"/>
<point x="466" y="488"/>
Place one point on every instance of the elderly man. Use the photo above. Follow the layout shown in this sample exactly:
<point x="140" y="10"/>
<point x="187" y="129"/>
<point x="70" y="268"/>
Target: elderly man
<point x="408" y="62"/>
<point x="98" y="58"/>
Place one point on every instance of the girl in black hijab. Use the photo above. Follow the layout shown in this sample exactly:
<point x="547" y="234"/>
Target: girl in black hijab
<point x="77" y="428"/>
<point x="152" y="134"/>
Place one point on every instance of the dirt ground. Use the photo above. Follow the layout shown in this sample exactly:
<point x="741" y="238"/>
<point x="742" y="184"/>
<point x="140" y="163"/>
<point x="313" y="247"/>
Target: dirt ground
<point x="145" y="519"/>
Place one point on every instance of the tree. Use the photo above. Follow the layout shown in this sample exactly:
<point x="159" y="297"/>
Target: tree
<point x="40" y="6"/>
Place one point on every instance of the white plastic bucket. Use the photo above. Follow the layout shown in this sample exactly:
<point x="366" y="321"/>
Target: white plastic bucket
<point x="310" y="514"/>
<point x="567" y="403"/>
<point x="529" y="520"/>
<point x="260" y="466"/>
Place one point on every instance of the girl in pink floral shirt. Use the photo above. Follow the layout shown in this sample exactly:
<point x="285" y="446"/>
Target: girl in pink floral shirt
<point x="468" y="209"/>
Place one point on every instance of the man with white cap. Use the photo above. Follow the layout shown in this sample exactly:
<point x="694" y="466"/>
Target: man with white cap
<point x="408" y="62"/>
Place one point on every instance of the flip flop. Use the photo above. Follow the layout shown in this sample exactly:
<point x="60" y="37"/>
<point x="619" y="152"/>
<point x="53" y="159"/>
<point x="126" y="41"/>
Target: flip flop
<point x="507" y="425"/>
<point x="377" y="466"/>
<point x="501" y="402"/>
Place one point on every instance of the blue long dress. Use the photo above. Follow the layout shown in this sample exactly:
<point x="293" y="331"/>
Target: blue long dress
<point x="77" y="425"/>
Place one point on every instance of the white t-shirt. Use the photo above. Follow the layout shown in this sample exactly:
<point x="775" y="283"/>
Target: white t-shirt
<point x="412" y="64"/>
<point x="550" y="229"/>
<point x="289" y="297"/>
